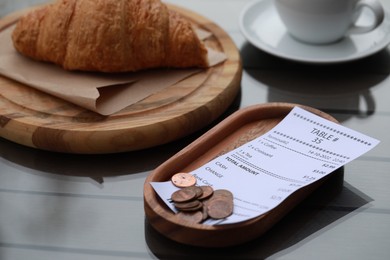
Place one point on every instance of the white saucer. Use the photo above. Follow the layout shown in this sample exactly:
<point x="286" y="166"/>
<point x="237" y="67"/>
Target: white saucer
<point x="263" y="28"/>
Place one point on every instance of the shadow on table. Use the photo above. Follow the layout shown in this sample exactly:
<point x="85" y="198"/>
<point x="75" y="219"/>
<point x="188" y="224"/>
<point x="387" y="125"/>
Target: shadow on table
<point x="334" y="200"/>
<point x="101" y="165"/>
<point x="343" y="89"/>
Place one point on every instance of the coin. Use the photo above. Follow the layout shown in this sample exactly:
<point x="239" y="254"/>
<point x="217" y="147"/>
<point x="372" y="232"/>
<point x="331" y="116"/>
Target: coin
<point x="204" y="212"/>
<point x="198" y="203"/>
<point x="193" y="217"/>
<point x="223" y="193"/>
<point x="187" y="205"/>
<point x="198" y="190"/>
<point x="183" y="180"/>
<point x="183" y="195"/>
<point x="198" y="207"/>
<point x="220" y="208"/>
<point x="207" y="192"/>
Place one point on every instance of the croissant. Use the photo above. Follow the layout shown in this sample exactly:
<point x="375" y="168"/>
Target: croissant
<point x="109" y="36"/>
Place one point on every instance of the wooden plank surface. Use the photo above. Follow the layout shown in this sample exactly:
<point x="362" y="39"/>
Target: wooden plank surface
<point x="35" y="119"/>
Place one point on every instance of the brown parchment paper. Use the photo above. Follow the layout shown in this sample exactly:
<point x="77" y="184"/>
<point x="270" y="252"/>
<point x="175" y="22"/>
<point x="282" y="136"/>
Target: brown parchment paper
<point x="104" y="93"/>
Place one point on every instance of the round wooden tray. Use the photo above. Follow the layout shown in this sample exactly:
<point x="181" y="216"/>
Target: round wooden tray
<point x="239" y="128"/>
<point x="35" y="119"/>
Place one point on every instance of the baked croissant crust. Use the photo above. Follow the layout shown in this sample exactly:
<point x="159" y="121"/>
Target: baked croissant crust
<point x="109" y="36"/>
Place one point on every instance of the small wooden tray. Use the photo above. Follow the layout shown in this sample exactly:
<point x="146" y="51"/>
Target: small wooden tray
<point x="241" y="127"/>
<point x="33" y="118"/>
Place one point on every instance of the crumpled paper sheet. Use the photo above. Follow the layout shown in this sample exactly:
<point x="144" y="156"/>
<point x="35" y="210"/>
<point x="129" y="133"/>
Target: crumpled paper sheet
<point x="104" y="93"/>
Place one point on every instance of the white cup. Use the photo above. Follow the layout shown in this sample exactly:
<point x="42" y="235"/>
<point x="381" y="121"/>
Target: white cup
<point x="326" y="21"/>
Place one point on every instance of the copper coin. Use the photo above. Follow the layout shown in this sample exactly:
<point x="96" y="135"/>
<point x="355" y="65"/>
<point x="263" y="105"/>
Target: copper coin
<point x="221" y="193"/>
<point x="183" y="195"/>
<point x="193" y="217"/>
<point x="187" y="205"/>
<point x="198" y="190"/>
<point x="199" y="207"/>
<point x="220" y="208"/>
<point x="224" y="193"/>
<point x="207" y="192"/>
<point x="183" y="180"/>
<point x="204" y="212"/>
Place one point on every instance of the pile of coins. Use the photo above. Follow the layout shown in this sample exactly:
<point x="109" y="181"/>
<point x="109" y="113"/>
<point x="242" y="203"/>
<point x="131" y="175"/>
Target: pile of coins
<point x="198" y="203"/>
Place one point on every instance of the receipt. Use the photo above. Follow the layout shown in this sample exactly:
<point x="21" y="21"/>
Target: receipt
<point x="301" y="149"/>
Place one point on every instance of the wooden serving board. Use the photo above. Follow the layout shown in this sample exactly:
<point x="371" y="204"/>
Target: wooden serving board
<point x="239" y="128"/>
<point x="32" y="118"/>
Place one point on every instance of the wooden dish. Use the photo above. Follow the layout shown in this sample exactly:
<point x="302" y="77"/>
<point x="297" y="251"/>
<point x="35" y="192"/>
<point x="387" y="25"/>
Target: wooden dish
<point x="33" y="118"/>
<point x="239" y="128"/>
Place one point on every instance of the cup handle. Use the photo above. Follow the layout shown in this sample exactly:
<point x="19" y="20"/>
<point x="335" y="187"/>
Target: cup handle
<point x="370" y="104"/>
<point x="376" y="9"/>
